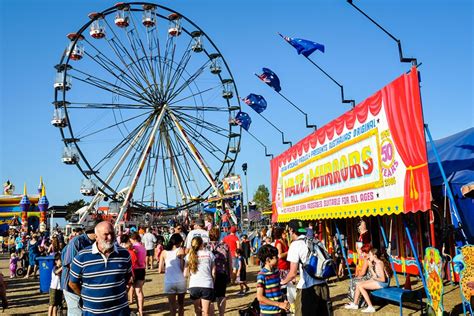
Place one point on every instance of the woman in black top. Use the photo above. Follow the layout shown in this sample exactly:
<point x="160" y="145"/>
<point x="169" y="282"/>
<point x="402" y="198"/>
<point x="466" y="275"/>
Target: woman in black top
<point x="245" y="246"/>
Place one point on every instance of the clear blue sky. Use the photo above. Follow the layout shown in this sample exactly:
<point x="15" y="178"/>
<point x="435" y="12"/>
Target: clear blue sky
<point x="358" y="55"/>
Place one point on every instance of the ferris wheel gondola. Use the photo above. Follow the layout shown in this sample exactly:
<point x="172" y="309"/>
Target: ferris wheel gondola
<point x="144" y="100"/>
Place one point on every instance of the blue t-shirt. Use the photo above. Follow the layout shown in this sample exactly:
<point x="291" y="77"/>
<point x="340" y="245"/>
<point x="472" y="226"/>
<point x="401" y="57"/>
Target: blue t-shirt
<point x="19" y="243"/>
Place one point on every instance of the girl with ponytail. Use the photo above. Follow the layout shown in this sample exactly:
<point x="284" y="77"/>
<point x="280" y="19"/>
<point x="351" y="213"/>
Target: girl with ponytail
<point x="196" y="245"/>
<point x="199" y="266"/>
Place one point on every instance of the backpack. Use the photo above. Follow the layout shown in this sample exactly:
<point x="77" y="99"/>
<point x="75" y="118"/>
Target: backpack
<point x="252" y="309"/>
<point x="220" y="252"/>
<point x="319" y="263"/>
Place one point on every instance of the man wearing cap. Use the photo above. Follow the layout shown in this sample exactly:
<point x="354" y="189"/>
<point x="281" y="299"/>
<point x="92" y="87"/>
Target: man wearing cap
<point x="69" y="252"/>
<point x="311" y="294"/>
<point x="197" y="231"/>
<point x="233" y="242"/>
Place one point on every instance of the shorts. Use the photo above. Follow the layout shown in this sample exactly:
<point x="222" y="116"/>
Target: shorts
<point x="204" y="293"/>
<point x="55" y="297"/>
<point x="235" y="263"/>
<point x="315" y="298"/>
<point x="139" y="274"/>
<point x="150" y="253"/>
<point x="242" y="277"/>
<point x="175" y="288"/>
<point x="220" y="284"/>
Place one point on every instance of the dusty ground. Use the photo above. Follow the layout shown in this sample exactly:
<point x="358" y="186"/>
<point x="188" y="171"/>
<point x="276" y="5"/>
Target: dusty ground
<point x="25" y="299"/>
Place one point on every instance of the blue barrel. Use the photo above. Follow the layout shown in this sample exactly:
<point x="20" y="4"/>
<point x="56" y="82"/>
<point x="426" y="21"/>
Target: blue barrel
<point x="46" y="265"/>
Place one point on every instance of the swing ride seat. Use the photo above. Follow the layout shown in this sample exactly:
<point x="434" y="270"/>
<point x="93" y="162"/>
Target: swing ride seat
<point x="398" y="295"/>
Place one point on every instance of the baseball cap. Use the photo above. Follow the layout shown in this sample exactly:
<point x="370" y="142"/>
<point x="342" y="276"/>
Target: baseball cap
<point x="297" y="226"/>
<point x="233" y="229"/>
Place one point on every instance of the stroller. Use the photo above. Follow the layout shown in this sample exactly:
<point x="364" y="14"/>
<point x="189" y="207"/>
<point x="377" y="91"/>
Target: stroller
<point x="23" y="264"/>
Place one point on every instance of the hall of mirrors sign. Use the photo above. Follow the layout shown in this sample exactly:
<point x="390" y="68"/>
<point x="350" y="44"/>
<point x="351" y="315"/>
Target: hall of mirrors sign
<point x="352" y="167"/>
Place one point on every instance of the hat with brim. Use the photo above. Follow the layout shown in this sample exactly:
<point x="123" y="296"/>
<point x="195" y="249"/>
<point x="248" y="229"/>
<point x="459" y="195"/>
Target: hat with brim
<point x="297" y="226"/>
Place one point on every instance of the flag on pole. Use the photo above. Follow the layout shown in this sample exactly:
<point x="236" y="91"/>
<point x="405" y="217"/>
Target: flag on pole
<point x="302" y="46"/>
<point x="256" y="102"/>
<point x="243" y="119"/>
<point x="271" y="79"/>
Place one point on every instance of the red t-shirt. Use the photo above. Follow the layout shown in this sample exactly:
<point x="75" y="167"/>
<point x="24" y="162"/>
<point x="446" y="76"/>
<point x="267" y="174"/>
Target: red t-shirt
<point x="231" y="241"/>
<point x="283" y="264"/>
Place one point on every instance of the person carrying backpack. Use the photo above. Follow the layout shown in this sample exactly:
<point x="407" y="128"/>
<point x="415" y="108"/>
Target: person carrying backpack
<point x="223" y="266"/>
<point x="312" y="293"/>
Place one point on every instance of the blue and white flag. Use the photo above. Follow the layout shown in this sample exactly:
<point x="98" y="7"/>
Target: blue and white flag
<point x="243" y="119"/>
<point x="256" y="102"/>
<point x="302" y="46"/>
<point x="271" y="79"/>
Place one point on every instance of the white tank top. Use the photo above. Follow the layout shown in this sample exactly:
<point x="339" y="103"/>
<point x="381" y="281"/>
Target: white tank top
<point x="173" y="272"/>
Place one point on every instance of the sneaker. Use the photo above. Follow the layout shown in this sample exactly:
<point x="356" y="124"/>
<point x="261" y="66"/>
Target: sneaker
<point x="241" y="293"/>
<point x="351" y="306"/>
<point x="369" y="309"/>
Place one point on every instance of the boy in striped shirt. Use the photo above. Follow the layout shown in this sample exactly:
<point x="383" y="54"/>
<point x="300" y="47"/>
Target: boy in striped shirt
<point x="269" y="294"/>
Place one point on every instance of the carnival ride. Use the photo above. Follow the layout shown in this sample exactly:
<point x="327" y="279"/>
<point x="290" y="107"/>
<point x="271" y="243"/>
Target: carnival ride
<point x="145" y="105"/>
<point x="22" y="211"/>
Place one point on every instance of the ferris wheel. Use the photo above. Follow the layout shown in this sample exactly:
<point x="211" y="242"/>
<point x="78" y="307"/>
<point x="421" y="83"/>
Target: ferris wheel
<point x="145" y="104"/>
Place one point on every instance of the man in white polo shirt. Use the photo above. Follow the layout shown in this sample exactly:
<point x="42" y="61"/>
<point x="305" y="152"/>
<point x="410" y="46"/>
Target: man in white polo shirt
<point x="312" y="295"/>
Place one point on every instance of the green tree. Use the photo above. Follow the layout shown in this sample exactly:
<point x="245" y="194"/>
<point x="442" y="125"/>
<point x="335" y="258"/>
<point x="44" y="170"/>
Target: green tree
<point x="261" y="198"/>
<point x="72" y="207"/>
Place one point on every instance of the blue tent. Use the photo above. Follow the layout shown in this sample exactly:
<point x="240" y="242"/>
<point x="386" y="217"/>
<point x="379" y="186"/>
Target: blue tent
<point x="457" y="156"/>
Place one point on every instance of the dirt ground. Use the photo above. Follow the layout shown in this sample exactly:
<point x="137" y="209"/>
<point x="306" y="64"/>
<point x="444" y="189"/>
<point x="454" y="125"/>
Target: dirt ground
<point x="25" y="299"/>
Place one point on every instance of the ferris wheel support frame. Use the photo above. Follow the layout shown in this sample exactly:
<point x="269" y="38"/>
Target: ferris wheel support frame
<point x="143" y="159"/>
<point x="194" y="152"/>
<point x="173" y="167"/>
<point x="99" y="194"/>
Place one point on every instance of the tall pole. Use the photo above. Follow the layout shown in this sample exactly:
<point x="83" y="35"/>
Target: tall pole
<point x="242" y="211"/>
<point x="244" y="169"/>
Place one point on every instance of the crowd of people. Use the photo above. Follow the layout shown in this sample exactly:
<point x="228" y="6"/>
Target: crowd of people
<point x="98" y="271"/>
